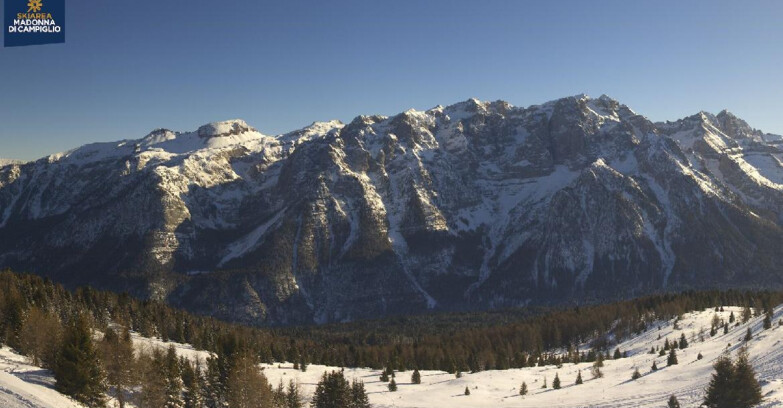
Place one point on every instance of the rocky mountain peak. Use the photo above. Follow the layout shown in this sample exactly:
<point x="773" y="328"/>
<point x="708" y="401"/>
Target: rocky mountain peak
<point x="6" y="162"/>
<point x="366" y="120"/>
<point x="224" y="128"/>
<point x="607" y="98"/>
<point x="157" y="136"/>
<point x="733" y="126"/>
<point x="467" y="108"/>
<point x="474" y="104"/>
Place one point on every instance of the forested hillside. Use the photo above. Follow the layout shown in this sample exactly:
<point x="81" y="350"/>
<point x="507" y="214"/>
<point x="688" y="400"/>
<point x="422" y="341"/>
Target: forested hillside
<point x="84" y="338"/>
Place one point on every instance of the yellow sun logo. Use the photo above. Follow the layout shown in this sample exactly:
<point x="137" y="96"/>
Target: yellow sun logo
<point x="35" y="5"/>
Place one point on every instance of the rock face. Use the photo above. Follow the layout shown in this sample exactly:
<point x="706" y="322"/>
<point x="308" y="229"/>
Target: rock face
<point x="472" y="206"/>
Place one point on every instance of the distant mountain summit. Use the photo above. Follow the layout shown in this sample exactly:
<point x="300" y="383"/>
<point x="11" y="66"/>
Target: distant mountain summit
<point x="471" y="206"/>
<point x="6" y="162"/>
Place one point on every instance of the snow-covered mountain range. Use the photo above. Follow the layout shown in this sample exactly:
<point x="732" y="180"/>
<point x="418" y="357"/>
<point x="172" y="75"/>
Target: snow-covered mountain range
<point x="475" y="205"/>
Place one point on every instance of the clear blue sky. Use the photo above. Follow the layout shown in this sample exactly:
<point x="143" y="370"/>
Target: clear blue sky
<point x="130" y="66"/>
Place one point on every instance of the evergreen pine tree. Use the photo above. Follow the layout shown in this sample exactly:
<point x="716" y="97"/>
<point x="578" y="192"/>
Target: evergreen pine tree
<point x="416" y="377"/>
<point x="672" y="359"/>
<point x="39" y="337"/>
<point x="152" y="377"/>
<point x="720" y="388"/>
<point x="596" y="369"/>
<point x="683" y="342"/>
<point x="654" y="366"/>
<point x="725" y="328"/>
<point x="473" y="363"/>
<point x="359" y="397"/>
<point x="293" y="396"/>
<point x="731" y="317"/>
<point x="392" y="385"/>
<point x="699" y="357"/>
<point x="767" y="321"/>
<point x="746" y="314"/>
<point x="745" y="387"/>
<point x="556" y="382"/>
<point x="118" y="362"/>
<point x="385" y="376"/>
<point x="467" y="391"/>
<point x="278" y="395"/>
<point x="246" y="386"/>
<point x="523" y="389"/>
<point x="12" y="316"/>
<point x="636" y="374"/>
<point x="332" y="391"/>
<point x="578" y="378"/>
<point x="673" y="403"/>
<point x="78" y="371"/>
<point x="191" y="384"/>
<point x="214" y="389"/>
<point x="617" y="354"/>
<point x="748" y="335"/>
<point x="173" y="380"/>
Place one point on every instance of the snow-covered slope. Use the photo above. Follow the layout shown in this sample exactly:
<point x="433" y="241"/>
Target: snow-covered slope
<point x="470" y="206"/>
<point x="686" y="380"/>
<point x="25" y="386"/>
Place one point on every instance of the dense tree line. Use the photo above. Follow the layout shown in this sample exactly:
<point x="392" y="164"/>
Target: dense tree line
<point x="449" y="342"/>
<point x="456" y="342"/>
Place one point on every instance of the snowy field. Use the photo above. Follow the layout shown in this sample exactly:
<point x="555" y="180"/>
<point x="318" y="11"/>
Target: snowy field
<point x="26" y="386"/>
<point x="497" y="389"/>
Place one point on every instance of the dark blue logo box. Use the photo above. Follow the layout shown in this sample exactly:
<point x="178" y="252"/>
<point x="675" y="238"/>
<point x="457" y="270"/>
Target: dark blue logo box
<point x="33" y="22"/>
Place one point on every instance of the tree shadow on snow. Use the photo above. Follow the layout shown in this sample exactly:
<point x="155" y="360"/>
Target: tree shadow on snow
<point x="40" y="377"/>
